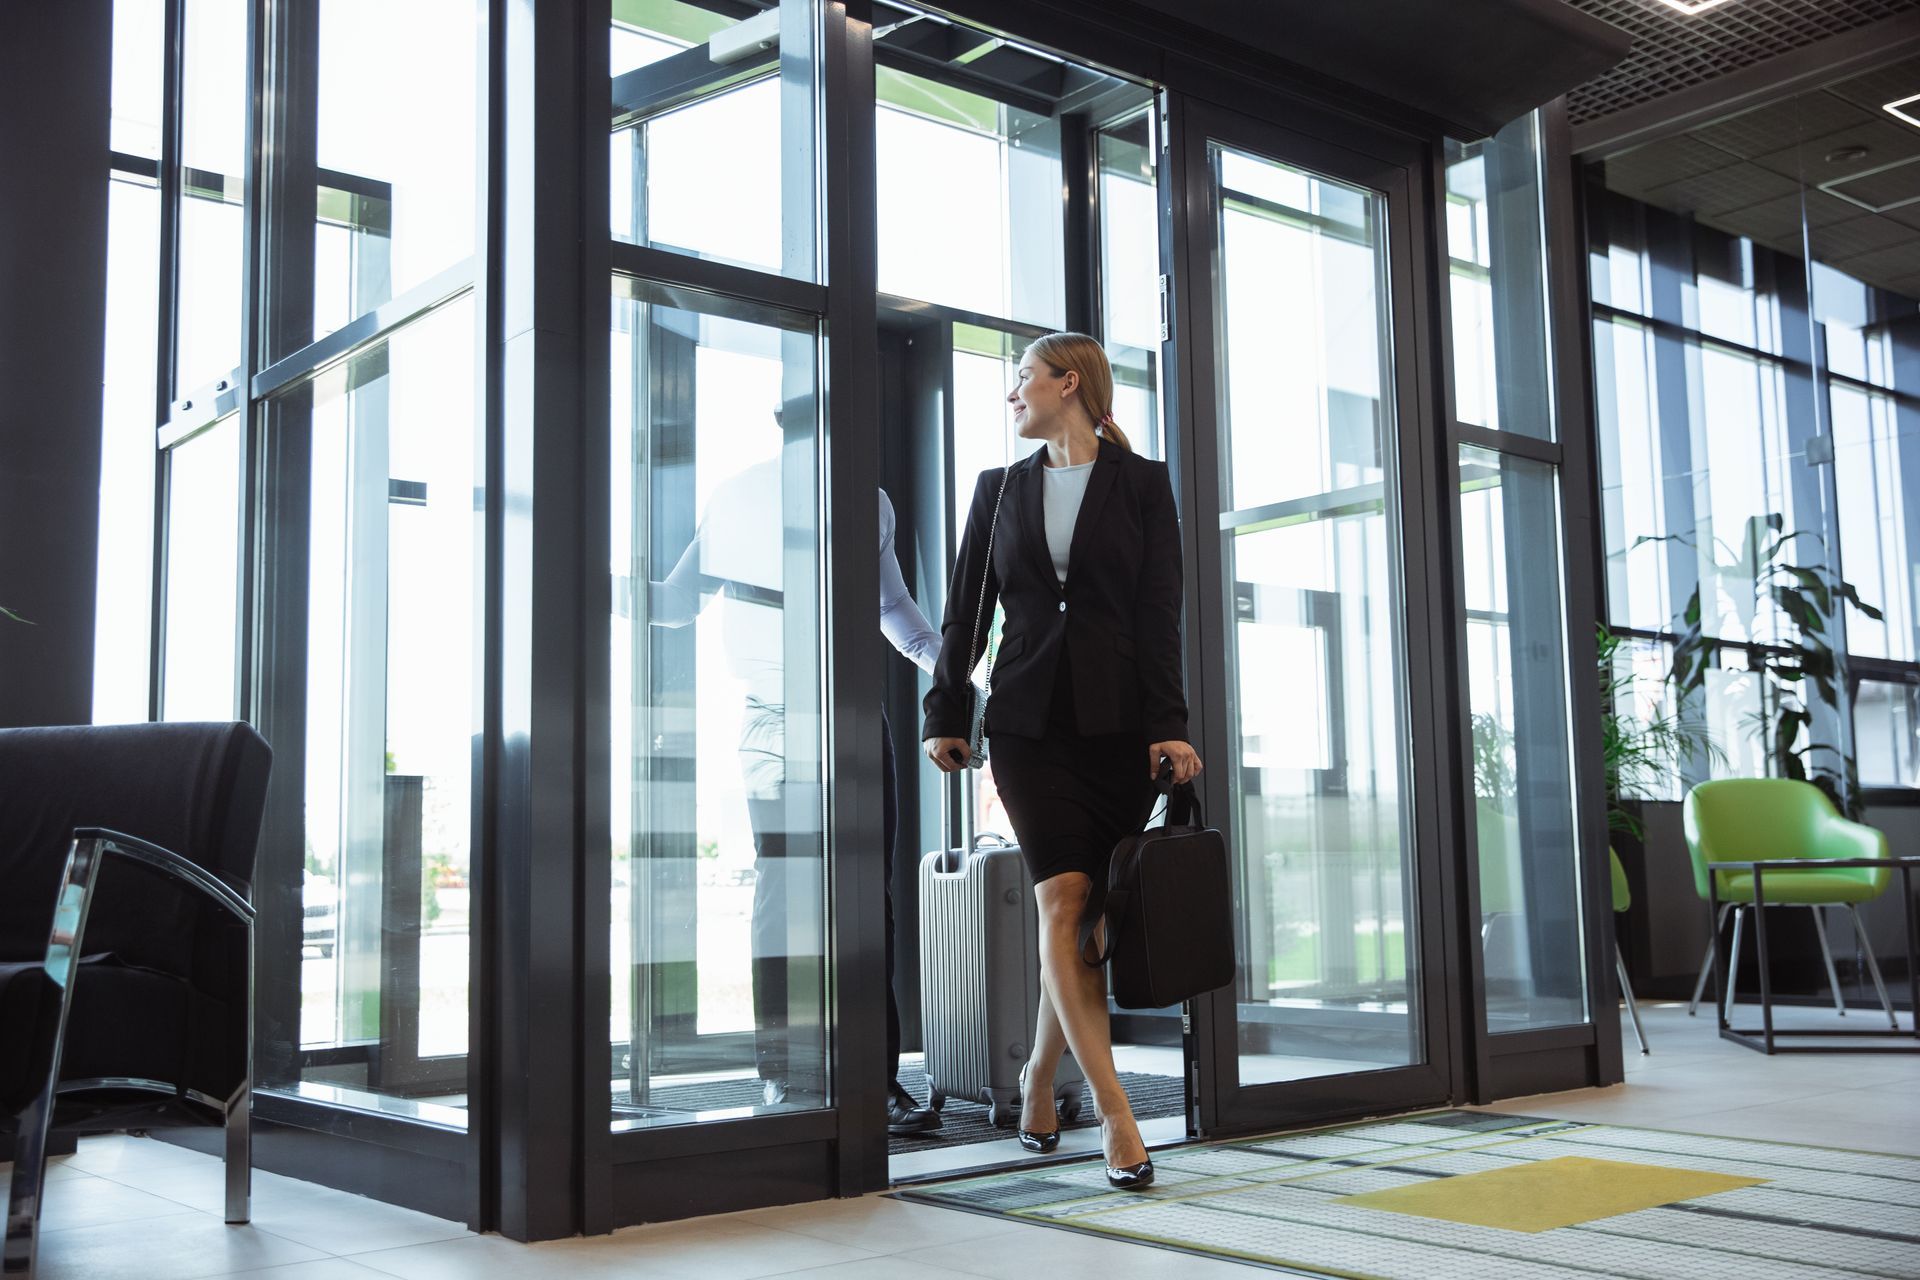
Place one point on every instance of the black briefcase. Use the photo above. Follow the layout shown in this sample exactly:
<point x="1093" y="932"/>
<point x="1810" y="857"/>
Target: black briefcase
<point x="1169" y="911"/>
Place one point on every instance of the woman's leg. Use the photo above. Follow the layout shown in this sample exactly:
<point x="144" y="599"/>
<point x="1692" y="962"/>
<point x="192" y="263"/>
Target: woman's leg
<point x="1078" y="993"/>
<point x="1049" y="1043"/>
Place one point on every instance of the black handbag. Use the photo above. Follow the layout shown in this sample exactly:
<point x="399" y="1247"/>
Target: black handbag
<point x="1169" y="911"/>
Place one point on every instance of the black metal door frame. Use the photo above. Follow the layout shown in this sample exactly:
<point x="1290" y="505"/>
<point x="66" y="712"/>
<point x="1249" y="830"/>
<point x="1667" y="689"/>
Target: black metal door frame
<point x="1398" y="168"/>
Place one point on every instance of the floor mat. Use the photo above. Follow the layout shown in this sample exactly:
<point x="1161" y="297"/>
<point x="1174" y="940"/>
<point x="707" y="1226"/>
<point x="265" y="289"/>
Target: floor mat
<point x="1464" y="1195"/>
<point x="961" y="1123"/>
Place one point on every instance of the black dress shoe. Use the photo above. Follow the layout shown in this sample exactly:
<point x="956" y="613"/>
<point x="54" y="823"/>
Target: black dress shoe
<point x="1032" y="1140"/>
<point x="1133" y="1177"/>
<point x="905" y="1117"/>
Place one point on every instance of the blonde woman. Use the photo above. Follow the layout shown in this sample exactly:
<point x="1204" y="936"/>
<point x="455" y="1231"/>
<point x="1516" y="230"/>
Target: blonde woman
<point x="1087" y="697"/>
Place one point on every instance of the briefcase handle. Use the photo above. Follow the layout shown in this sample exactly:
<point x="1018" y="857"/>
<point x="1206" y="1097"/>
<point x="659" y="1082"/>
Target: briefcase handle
<point x="1183" y="802"/>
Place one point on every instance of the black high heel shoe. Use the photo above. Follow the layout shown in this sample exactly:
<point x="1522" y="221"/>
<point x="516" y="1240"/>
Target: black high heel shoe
<point x="1038" y="1143"/>
<point x="1129" y="1177"/>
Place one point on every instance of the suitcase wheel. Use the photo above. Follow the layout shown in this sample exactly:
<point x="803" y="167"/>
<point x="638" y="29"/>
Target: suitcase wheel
<point x="1068" y="1104"/>
<point x="936" y="1097"/>
<point x="999" y="1114"/>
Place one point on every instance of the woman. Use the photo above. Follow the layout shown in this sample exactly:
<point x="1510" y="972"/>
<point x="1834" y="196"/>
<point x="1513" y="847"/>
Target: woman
<point x="1087" y="698"/>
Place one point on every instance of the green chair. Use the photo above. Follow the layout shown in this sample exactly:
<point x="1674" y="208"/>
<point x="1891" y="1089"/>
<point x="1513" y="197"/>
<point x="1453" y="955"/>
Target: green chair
<point x="1622" y="899"/>
<point x="1764" y="819"/>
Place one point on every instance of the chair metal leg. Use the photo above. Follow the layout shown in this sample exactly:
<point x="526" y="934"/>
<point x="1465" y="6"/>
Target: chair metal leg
<point x="1706" y="961"/>
<point x="1733" y="964"/>
<point x="239" y="1157"/>
<point x="1873" y="967"/>
<point x="239" y="1109"/>
<point x="28" y="1184"/>
<point x="1633" y="1006"/>
<point x="1826" y="953"/>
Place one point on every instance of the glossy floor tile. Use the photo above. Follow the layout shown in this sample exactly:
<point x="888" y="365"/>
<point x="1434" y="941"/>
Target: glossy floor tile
<point x="126" y="1208"/>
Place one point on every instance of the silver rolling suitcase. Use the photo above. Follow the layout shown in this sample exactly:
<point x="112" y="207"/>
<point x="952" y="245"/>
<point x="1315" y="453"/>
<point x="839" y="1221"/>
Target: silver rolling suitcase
<point x="980" y="979"/>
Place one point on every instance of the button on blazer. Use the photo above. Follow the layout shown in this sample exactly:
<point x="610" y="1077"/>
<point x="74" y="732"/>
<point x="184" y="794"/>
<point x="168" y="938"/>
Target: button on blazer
<point x="1117" y="616"/>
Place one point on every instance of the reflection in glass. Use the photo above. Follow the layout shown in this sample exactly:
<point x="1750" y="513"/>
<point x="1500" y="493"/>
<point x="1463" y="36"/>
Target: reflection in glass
<point x="1886" y="733"/>
<point x="392" y="555"/>
<point x="1130" y="299"/>
<point x="123" y="632"/>
<point x="397" y="148"/>
<point x="719" y="909"/>
<point x="1316" y="694"/>
<point x="213" y="156"/>
<point x="138" y="28"/>
<point x="711" y="154"/>
<point x="202" y="574"/>
<point x="969" y="201"/>
<point x="1496" y="244"/>
<point x="1530" y="923"/>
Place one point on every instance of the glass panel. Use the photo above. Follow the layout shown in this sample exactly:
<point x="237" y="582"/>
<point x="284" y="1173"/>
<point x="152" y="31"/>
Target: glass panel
<point x="213" y="152"/>
<point x="719" y="908"/>
<point x="969" y="201"/>
<point x="138" y="37"/>
<point x="1496" y="243"/>
<point x="1530" y="922"/>
<point x="202" y="575"/>
<point x="393" y="557"/>
<point x="1130" y="302"/>
<point x="1886" y="733"/>
<point x="398" y="142"/>
<point x="123" y="629"/>
<point x="1316" y="685"/>
<point x="681" y="84"/>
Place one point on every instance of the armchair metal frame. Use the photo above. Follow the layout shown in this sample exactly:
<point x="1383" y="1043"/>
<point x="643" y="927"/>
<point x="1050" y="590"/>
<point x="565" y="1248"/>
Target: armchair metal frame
<point x="1763" y="1037"/>
<point x="90" y="849"/>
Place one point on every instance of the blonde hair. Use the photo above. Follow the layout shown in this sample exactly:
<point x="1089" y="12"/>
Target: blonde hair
<point x="1061" y="352"/>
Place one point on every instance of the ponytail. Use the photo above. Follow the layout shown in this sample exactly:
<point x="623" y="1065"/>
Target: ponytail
<point x="1083" y="355"/>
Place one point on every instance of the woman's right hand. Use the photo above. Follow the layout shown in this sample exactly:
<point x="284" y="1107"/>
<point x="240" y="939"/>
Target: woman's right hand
<point x="949" y="755"/>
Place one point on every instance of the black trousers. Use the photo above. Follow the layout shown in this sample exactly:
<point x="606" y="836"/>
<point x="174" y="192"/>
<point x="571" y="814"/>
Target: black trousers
<point x="771" y="964"/>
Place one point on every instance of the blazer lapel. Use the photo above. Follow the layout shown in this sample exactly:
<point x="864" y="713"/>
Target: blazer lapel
<point x="1032" y="506"/>
<point x="1106" y="470"/>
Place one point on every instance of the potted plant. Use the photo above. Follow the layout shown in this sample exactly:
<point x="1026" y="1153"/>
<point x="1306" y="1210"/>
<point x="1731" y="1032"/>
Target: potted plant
<point x="1797" y="670"/>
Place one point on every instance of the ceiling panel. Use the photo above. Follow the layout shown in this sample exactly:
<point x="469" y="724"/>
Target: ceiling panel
<point x="1662" y="162"/>
<point x="1874" y="89"/>
<point x="1765" y="130"/>
<point x="1736" y="186"/>
<point x="1673" y="51"/>
<point x="1866" y="234"/>
<point x="1885" y="140"/>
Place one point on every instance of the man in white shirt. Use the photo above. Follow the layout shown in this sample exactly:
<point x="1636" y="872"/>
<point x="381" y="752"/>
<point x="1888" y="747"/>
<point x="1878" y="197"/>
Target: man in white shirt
<point x="736" y="551"/>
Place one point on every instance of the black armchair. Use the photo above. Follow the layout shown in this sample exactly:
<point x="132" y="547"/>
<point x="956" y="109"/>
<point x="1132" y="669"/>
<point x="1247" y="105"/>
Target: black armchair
<point x="126" y="941"/>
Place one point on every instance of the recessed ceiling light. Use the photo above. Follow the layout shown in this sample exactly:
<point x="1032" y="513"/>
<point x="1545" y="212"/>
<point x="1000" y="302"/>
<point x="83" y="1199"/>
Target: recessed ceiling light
<point x="1906" y="109"/>
<point x="1691" y="7"/>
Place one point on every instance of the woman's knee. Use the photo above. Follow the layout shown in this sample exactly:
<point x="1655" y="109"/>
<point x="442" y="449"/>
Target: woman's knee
<point x="1062" y="900"/>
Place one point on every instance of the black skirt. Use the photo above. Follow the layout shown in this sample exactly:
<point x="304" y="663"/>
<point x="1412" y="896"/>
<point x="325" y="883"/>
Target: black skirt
<point x="1072" y="796"/>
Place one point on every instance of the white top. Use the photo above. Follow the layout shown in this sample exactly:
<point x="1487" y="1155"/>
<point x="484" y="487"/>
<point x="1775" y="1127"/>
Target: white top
<point x="739" y="545"/>
<point x="1065" y="488"/>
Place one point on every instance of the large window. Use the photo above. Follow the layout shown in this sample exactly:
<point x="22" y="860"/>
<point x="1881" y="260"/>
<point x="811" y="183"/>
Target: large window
<point x="1513" y="567"/>
<point x="319" y="494"/>
<point x="1733" y="384"/>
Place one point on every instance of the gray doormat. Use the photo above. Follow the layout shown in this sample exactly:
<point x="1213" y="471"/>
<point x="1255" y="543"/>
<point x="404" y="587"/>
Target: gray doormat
<point x="961" y="1123"/>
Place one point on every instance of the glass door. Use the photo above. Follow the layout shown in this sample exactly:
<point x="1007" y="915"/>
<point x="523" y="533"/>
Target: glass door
<point x="1309" y="612"/>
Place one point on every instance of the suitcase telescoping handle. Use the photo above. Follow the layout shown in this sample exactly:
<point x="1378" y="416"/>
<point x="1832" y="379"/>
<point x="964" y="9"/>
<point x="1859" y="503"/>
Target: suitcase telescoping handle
<point x="954" y="861"/>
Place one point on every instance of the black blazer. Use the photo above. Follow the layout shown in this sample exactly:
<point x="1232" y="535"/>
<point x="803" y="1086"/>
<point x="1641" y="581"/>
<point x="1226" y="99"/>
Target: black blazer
<point x="1118" y="615"/>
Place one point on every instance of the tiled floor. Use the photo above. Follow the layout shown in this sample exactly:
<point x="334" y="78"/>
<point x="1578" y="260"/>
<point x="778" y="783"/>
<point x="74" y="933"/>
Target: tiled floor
<point x="141" y="1210"/>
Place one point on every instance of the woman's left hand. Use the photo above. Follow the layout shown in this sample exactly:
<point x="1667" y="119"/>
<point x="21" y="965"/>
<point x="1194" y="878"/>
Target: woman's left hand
<point x="1186" y="763"/>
